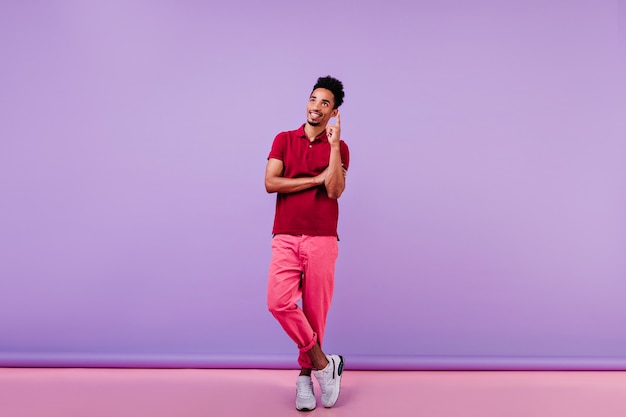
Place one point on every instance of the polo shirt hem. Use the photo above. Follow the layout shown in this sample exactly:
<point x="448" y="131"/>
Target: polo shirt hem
<point x="307" y="233"/>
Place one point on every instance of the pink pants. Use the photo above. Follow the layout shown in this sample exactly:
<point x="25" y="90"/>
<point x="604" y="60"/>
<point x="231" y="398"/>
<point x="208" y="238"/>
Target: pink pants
<point x="302" y="267"/>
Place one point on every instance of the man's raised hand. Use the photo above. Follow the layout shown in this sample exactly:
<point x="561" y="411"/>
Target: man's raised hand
<point x="333" y="132"/>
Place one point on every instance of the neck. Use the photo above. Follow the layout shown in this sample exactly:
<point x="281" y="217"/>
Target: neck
<point x="313" y="131"/>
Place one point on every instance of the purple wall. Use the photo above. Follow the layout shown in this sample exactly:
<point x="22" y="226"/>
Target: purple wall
<point x="483" y="223"/>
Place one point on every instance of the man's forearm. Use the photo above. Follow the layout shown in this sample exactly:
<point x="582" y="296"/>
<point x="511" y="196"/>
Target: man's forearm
<point x="291" y="185"/>
<point x="335" y="181"/>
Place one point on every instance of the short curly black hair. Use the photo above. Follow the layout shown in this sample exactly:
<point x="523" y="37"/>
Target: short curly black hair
<point x="334" y="85"/>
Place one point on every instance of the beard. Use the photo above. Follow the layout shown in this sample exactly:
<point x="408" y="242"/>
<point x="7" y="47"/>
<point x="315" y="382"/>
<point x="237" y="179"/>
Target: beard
<point x="312" y="123"/>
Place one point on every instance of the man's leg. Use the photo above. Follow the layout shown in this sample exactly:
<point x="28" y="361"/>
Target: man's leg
<point x="284" y="291"/>
<point x="320" y="255"/>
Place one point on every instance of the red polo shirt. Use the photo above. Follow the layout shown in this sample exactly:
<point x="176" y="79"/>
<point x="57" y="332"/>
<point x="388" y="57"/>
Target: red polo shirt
<point x="307" y="212"/>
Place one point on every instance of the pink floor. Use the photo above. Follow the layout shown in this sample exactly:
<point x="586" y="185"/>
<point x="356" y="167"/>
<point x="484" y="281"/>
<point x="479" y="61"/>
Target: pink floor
<point x="222" y="393"/>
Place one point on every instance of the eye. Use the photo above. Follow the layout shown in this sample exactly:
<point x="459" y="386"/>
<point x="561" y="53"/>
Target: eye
<point x="325" y="104"/>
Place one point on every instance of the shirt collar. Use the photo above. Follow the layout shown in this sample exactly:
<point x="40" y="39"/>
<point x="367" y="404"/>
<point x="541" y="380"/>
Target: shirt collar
<point x="322" y="136"/>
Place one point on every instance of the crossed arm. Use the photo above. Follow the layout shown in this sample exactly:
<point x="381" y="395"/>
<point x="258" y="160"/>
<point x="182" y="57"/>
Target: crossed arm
<point x="333" y="177"/>
<point x="276" y="183"/>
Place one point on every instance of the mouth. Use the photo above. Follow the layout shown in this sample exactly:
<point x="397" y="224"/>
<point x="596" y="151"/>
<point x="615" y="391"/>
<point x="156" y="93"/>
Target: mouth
<point x="315" y="116"/>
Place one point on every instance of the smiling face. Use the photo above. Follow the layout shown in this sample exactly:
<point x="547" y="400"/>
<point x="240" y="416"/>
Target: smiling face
<point x="320" y="107"/>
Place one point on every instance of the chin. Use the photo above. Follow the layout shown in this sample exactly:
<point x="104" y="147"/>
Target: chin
<point x="313" y="123"/>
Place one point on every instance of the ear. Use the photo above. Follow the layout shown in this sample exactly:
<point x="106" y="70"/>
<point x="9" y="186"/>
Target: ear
<point x="334" y="113"/>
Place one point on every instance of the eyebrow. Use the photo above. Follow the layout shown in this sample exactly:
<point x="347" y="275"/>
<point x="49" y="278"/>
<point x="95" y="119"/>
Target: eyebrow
<point x="323" y="100"/>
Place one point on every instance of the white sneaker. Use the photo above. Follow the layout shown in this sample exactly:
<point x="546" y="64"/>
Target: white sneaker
<point x="305" y="398"/>
<point x="329" y="379"/>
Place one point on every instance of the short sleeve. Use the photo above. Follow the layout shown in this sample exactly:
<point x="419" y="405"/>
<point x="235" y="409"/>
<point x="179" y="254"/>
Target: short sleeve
<point x="345" y="154"/>
<point x="278" y="147"/>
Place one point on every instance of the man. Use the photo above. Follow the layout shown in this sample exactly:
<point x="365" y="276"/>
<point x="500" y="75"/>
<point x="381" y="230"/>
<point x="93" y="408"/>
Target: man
<point x="307" y="168"/>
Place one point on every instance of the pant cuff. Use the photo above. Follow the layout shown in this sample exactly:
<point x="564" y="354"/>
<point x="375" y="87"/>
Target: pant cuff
<point x="309" y="346"/>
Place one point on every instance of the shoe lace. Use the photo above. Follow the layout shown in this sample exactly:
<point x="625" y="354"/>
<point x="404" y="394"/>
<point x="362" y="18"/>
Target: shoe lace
<point x="304" y="389"/>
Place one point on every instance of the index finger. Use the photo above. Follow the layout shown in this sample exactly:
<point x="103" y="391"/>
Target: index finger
<point x="338" y="119"/>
